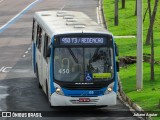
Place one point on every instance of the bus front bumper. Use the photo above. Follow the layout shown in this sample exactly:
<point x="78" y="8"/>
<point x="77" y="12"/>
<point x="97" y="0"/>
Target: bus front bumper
<point x="59" y="100"/>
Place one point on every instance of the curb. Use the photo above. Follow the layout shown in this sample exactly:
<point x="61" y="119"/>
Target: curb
<point x="134" y="108"/>
<point x="103" y="14"/>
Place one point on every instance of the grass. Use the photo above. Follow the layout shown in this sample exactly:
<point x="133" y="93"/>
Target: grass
<point x="147" y="98"/>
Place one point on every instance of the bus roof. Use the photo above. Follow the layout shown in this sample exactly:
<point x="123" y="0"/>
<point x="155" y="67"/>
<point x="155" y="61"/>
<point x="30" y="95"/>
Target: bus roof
<point x="63" y="22"/>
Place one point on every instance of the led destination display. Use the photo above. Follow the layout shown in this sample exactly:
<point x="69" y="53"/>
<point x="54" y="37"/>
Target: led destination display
<point x="82" y="41"/>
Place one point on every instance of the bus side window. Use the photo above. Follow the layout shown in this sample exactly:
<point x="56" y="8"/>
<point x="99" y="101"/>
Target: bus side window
<point x="39" y="38"/>
<point x="46" y="47"/>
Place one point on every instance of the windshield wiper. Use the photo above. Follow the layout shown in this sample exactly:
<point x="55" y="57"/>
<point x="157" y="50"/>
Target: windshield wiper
<point x="94" y="55"/>
<point x="71" y="52"/>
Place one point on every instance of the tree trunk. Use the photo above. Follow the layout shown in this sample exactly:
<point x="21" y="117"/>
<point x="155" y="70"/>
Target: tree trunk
<point x="145" y="14"/>
<point x="135" y="9"/>
<point x="149" y="7"/>
<point x="152" y="45"/>
<point x="148" y="38"/>
<point x="123" y="4"/>
<point x="116" y="13"/>
<point x="152" y="58"/>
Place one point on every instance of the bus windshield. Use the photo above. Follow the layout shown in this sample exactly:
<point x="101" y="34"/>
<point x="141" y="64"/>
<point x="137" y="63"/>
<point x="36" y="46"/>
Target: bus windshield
<point x="83" y="64"/>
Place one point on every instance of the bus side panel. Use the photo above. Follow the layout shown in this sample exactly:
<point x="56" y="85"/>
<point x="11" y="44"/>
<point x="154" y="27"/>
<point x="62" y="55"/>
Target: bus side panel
<point x="51" y="71"/>
<point x="43" y="64"/>
<point x="115" y="87"/>
<point x="38" y="62"/>
<point x="34" y="56"/>
<point x="44" y="72"/>
<point x="34" y="37"/>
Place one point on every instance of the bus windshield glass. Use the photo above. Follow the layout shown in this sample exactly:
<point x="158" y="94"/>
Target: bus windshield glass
<point x="83" y="64"/>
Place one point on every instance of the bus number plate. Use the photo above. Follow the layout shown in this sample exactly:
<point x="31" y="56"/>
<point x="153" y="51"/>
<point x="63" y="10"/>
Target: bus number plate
<point x="84" y="100"/>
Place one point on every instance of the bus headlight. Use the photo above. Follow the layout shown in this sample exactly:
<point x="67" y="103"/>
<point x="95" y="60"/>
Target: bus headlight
<point x="109" y="88"/>
<point x="58" y="89"/>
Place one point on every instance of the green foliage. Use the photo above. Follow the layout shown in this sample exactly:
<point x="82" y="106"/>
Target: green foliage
<point x="128" y="26"/>
<point x="147" y="98"/>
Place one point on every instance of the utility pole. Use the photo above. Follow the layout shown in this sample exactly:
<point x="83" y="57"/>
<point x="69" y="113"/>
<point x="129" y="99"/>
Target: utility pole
<point x="139" y="46"/>
<point x="116" y="13"/>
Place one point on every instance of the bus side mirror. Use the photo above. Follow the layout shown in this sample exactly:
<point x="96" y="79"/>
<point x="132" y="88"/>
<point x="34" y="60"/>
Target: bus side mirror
<point x="117" y="66"/>
<point x="116" y="50"/>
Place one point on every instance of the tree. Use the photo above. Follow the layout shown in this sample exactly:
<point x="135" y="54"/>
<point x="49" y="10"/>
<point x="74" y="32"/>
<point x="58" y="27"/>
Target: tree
<point x="150" y="16"/>
<point x="116" y="13"/>
<point x="135" y="9"/>
<point x="148" y="8"/>
<point x="145" y="14"/>
<point x="150" y="30"/>
<point x="123" y="4"/>
<point x="152" y="57"/>
<point x="150" y="38"/>
<point x="152" y="44"/>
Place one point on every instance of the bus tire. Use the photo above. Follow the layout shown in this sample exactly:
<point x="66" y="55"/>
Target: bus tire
<point x="37" y="75"/>
<point x="39" y="85"/>
<point x="47" y="94"/>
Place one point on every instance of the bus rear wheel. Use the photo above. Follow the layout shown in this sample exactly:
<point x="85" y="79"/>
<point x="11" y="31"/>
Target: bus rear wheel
<point x="37" y="75"/>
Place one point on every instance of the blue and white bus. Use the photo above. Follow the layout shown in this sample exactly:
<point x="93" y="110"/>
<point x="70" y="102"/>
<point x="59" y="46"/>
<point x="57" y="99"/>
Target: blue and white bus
<point x="74" y="59"/>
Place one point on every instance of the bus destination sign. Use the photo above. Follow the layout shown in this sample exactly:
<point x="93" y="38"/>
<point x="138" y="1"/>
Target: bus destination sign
<point x="82" y="41"/>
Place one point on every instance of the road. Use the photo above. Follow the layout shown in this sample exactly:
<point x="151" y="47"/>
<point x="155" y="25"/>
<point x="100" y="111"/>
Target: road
<point x="18" y="86"/>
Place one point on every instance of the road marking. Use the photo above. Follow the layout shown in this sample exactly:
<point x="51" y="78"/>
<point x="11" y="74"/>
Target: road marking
<point x="3" y="94"/>
<point x="1" y="68"/>
<point x="26" y="52"/>
<point x="3" y="87"/>
<point x="124" y="36"/>
<point x="24" y="56"/>
<point x="21" y="70"/>
<point x="10" y="22"/>
<point x="29" y="48"/>
<point x="62" y="7"/>
<point x="5" y="69"/>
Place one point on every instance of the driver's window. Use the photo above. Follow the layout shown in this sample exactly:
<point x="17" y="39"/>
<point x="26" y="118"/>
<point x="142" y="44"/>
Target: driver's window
<point x="100" y="60"/>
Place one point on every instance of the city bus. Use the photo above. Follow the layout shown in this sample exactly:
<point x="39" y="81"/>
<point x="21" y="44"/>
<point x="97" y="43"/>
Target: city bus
<point x="74" y="59"/>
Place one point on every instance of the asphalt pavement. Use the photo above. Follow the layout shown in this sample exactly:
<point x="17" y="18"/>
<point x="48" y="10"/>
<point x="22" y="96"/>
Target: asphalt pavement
<point x="19" y="89"/>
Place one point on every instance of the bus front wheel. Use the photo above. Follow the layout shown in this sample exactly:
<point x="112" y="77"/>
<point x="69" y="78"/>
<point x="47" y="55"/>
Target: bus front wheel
<point x="47" y="93"/>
